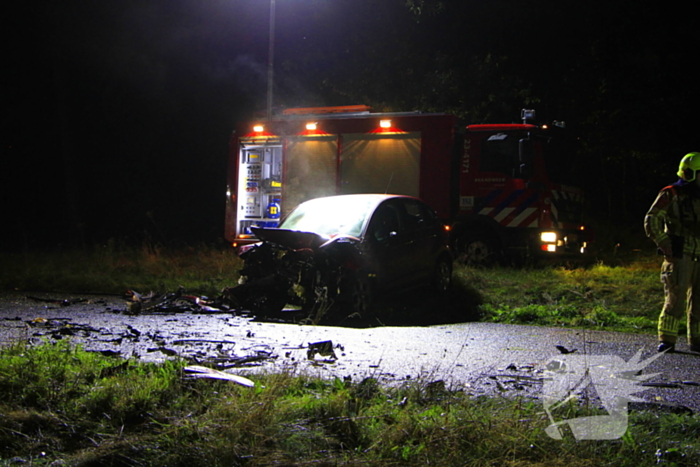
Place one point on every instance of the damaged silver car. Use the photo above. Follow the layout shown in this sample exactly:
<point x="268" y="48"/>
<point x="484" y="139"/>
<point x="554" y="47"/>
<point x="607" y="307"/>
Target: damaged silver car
<point x="335" y="254"/>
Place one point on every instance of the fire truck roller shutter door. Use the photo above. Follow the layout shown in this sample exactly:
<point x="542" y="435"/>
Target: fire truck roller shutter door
<point x="380" y="163"/>
<point x="311" y="170"/>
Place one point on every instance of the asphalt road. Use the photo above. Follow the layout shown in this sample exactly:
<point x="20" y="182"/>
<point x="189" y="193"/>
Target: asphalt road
<point x="479" y="358"/>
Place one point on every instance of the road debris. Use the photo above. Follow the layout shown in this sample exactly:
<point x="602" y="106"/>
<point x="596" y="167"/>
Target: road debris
<point x="164" y="351"/>
<point x="687" y="383"/>
<point x="324" y="348"/>
<point x="198" y="371"/>
<point x="184" y="343"/>
<point x="207" y="341"/>
<point x="175" y="302"/>
<point x="515" y="376"/>
<point x="57" y="328"/>
<point x="564" y="350"/>
<point x="64" y="302"/>
<point x="661" y="385"/>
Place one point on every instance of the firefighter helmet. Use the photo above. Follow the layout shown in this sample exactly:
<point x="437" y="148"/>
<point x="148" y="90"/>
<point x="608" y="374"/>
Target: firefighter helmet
<point x="689" y="166"/>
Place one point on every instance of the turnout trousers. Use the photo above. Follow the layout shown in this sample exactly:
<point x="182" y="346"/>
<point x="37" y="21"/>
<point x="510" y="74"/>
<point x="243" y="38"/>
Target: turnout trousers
<point x="681" y="279"/>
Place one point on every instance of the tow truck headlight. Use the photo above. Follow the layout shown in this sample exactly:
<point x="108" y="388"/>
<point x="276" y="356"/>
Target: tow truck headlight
<point x="548" y="237"/>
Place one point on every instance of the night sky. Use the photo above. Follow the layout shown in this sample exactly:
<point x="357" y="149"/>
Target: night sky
<point x="116" y="115"/>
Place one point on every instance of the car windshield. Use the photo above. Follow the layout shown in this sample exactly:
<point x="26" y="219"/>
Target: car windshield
<point x="331" y="216"/>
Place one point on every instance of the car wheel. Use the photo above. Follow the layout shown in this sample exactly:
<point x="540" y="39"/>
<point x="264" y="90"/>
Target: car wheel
<point x="267" y="306"/>
<point x="476" y="250"/>
<point x="442" y="278"/>
<point x="357" y="296"/>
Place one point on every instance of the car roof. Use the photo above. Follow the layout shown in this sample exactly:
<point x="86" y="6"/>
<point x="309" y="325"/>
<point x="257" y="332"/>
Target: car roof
<point x="351" y="221"/>
<point x="376" y="198"/>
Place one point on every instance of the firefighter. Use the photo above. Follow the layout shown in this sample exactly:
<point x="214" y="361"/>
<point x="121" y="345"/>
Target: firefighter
<point x="673" y="223"/>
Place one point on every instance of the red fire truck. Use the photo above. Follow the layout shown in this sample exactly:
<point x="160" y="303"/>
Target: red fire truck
<point x="494" y="186"/>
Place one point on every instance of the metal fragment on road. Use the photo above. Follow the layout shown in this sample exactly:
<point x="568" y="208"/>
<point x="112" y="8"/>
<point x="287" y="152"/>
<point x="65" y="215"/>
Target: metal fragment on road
<point x="198" y="371"/>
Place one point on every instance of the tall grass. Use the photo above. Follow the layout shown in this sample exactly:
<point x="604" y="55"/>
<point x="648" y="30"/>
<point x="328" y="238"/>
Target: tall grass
<point x="64" y="406"/>
<point x="612" y="297"/>
<point x="116" y="267"/>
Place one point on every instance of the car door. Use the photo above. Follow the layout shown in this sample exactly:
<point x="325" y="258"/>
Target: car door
<point x="386" y="246"/>
<point x="420" y="238"/>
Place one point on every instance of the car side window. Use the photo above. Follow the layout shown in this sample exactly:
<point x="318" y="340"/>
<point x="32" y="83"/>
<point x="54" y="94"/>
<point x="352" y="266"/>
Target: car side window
<point x="416" y="215"/>
<point x="384" y="221"/>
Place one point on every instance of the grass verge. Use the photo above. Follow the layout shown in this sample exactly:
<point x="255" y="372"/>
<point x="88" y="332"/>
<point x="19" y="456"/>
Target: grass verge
<point x="616" y="298"/>
<point x="114" y="268"/>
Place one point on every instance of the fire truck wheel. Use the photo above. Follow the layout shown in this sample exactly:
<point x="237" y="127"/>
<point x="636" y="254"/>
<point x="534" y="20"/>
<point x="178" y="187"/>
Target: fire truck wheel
<point x="442" y="280"/>
<point x="476" y="250"/>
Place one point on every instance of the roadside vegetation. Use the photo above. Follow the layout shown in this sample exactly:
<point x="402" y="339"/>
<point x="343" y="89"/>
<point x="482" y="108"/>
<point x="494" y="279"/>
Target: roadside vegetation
<point x="617" y="297"/>
<point x="116" y="267"/>
<point x="65" y="406"/>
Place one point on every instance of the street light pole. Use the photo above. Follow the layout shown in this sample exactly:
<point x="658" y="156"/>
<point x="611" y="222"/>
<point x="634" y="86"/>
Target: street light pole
<point x="270" y="60"/>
